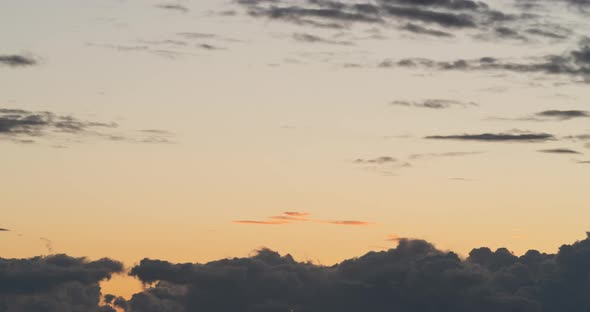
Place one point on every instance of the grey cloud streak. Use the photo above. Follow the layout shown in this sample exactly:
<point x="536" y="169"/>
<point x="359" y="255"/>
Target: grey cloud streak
<point x="496" y="137"/>
<point x="16" y="60"/>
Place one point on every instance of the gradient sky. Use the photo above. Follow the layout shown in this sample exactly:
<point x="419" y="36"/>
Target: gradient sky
<point x="198" y="115"/>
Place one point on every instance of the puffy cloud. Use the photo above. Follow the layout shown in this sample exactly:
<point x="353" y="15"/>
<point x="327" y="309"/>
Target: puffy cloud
<point x="414" y="276"/>
<point x="57" y="283"/>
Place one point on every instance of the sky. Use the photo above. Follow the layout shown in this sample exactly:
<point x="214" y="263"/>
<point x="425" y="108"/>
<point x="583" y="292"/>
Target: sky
<point x="192" y="131"/>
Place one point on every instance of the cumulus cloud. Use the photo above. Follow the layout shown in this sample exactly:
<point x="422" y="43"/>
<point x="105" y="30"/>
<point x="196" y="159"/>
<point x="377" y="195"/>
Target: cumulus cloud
<point x="16" y="60"/>
<point x="55" y="283"/>
<point x="414" y="276"/>
<point x="496" y="137"/>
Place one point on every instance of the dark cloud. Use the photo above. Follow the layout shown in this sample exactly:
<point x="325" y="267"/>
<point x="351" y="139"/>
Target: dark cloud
<point x="550" y="115"/>
<point x="434" y="103"/>
<point x="496" y="137"/>
<point x="4" y="230"/>
<point x="564" y="114"/>
<point x="18" y="122"/>
<point x="508" y="33"/>
<point x="174" y="7"/>
<point x="559" y="151"/>
<point x="575" y="63"/>
<point x="446" y="4"/>
<point x="54" y="283"/>
<point x="445" y="19"/>
<point x="17" y="60"/>
<point x="334" y="14"/>
<point x="548" y="33"/>
<point x="24" y="127"/>
<point x="414" y="276"/>
<point x="417" y="29"/>
<point x="301" y="37"/>
<point x="585" y="162"/>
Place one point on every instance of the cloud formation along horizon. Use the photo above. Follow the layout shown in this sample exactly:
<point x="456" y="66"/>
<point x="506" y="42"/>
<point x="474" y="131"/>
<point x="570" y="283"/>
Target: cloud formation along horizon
<point x="414" y="276"/>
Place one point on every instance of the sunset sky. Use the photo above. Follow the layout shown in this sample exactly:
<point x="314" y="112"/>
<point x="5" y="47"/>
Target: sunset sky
<point x="197" y="130"/>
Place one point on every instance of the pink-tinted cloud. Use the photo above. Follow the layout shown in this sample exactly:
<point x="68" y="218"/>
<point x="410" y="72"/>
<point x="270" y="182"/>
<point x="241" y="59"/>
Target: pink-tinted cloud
<point x="277" y="222"/>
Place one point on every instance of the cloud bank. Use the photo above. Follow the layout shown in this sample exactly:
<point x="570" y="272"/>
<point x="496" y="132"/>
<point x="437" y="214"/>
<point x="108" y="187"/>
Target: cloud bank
<point x="414" y="276"/>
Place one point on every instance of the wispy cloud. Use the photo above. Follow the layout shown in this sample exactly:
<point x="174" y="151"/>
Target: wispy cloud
<point x="434" y="103"/>
<point x="574" y="63"/>
<point x="559" y="151"/>
<point x="496" y="137"/>
<point x="25" y="127"/>
<point x="297" y="217"/>
<point x="173" y="7"/>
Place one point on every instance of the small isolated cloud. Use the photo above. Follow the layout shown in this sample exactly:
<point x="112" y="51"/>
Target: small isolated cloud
<point x="564" y="114"/>
<point x="17" y="60"/>
<point x="559" y="151"/>
<point x="173" y="7"/>
<point x="23" y="123"/>
<point x="496" y="137"/>
<point x="296" y="217"/>
<point x="585" y="162"/>
<point x="303" y="37"/>
<point x="260" y="222"/>
<point x="4" y="230"/>
<point x="25" y="127"/>
<point x="550" y="115"/>
<point x="439" y="155"/>
<point x="379" y="160"/>
<point x="349" y="222"/>
<point x="296" y="214"/>
<point x="434" y="103"/>
<point x="421" y="30"/>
